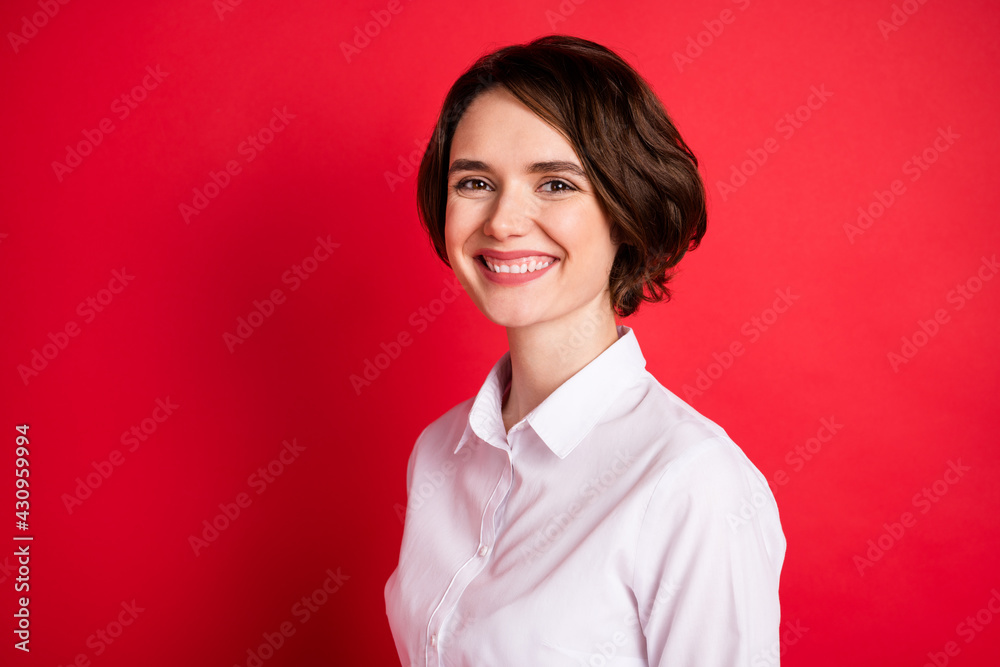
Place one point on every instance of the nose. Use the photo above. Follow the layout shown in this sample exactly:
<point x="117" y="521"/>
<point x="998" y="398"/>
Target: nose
<point x="512" y="214"/>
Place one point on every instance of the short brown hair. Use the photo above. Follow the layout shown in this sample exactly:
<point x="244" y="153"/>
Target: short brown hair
<point x="644" y="175"/>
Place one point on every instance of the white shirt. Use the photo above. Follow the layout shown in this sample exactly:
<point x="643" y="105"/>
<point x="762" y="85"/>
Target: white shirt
<point x="613" y="525"/>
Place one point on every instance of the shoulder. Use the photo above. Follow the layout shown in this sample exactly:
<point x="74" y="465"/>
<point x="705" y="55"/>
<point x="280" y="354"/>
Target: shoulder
<point x="671" y="431"/>
<point x="710" y="502"/>
<point x="673" y="410"/>
<point x="449" y="426"/>
<point x="691" y="461"/>
<point x="438" y="439"/>
<point x="710" y="546"/>
<point x="713" y="472"/>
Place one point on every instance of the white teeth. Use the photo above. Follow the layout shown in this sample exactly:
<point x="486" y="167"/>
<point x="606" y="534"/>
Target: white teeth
<point x="528" y="267"/>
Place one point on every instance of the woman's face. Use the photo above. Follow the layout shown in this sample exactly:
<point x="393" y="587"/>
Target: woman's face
<point x="516" y="189"/>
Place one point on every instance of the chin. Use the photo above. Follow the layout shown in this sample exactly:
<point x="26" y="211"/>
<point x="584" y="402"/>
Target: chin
<point x="513" y="317"/>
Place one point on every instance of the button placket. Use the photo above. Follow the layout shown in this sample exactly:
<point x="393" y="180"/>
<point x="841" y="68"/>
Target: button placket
<point x="488" y="529"/>
<point x="474" y="565"/>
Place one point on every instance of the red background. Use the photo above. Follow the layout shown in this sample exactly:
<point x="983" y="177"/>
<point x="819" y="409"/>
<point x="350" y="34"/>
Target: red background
<point x="324" y="175"/>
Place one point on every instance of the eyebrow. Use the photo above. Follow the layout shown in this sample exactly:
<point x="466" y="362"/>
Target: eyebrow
<point x="463" y="164"/>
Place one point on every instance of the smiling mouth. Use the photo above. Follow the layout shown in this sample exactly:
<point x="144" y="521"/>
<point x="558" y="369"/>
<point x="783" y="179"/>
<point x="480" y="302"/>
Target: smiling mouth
<point x="519" y="265"/>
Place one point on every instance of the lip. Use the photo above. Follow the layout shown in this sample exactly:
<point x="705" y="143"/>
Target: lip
<point x="511" y="254"/>
<point x="514" y="278"/>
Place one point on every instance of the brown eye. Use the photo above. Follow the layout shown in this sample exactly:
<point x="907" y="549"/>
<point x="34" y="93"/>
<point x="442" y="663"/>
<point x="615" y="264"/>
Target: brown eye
<point x="461" y="185"/>
<point x="565" y="187"/>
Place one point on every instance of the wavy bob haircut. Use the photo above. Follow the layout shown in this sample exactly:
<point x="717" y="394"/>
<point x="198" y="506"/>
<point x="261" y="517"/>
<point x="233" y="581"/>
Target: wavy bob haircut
<point x="645" y="177"/>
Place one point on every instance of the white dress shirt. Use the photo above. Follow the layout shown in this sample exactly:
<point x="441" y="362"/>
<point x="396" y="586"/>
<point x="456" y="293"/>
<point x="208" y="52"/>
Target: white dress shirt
<point x="613" y="525"/>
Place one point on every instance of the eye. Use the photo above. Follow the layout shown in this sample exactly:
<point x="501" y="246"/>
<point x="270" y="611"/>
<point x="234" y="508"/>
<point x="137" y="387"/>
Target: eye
<point x="566" y="187"/>
<point x="475" y="182"/>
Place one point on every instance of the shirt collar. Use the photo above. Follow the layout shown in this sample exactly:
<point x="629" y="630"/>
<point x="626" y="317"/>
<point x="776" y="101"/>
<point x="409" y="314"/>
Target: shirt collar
<point x="565" y="417"/>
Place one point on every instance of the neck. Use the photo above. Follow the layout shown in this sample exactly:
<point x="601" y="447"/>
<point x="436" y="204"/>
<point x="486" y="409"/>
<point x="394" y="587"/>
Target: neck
<point x="544" y="355"/>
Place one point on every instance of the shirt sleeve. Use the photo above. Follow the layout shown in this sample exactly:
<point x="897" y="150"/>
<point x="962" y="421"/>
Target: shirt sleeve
<point x="412" y="460"/>
<point x="708" y="560"/>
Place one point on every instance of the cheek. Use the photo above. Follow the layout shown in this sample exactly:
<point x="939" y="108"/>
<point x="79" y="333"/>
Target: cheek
<point x="586" y="235"/>
<point x="450" y="228"/>
<point x="459" y="224"/>
<point x="456" y="237"/>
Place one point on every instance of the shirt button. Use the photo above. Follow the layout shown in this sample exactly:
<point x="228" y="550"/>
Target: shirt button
<point x="483" y="550"/>
<point x="434" y="640"/>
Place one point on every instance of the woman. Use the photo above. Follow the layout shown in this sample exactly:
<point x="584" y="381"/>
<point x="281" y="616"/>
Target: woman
<point x="574" y="512"/>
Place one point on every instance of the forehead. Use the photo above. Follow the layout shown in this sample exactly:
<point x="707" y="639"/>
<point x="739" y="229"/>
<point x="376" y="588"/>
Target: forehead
<point x="497" y="125"/>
